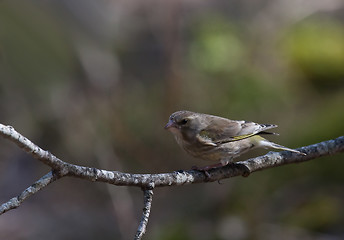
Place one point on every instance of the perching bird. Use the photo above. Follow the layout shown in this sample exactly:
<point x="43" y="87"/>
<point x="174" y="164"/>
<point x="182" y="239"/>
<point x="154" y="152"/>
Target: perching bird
<point x="218" y="139"/>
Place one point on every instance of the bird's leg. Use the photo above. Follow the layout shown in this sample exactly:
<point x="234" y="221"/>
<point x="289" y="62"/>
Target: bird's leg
<point x="205" y="169"/>
<point x="202" y="169"/>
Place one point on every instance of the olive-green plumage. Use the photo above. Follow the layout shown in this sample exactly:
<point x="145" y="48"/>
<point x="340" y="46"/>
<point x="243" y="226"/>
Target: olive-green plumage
<point x="218" y="139"/>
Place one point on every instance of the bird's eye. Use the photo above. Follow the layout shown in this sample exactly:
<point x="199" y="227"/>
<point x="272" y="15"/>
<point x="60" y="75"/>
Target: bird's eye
<point x="183" y="122"/>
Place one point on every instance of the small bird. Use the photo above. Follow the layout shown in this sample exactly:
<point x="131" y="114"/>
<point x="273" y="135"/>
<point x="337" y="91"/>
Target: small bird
<point x="218" y="139"/>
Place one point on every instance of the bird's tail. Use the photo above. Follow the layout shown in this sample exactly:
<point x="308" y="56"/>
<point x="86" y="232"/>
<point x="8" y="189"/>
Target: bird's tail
<point x="267" y="143"/>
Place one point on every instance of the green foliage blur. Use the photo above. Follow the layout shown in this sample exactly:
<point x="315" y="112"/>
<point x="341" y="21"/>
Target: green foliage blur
<point x="94" y="82"/>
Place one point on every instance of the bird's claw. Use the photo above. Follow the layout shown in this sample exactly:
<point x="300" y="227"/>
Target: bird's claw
<point x="202" y="169"/>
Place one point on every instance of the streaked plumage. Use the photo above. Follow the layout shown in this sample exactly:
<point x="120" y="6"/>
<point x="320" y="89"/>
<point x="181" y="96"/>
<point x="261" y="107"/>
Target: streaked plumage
<point x="218" y="139"/>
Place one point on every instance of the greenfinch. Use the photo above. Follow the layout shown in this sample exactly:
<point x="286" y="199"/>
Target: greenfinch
<point x="218" y="139"/>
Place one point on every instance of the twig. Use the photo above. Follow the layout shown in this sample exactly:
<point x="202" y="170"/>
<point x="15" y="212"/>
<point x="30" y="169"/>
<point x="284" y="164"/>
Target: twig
<point x="148" y="198"/>
<point x="44" y="156"/>
<point x="34" y="188"/>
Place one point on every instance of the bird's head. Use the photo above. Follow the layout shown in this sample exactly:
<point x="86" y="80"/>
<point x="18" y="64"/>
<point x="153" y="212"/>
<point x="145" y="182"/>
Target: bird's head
<point x="184" y="123"/>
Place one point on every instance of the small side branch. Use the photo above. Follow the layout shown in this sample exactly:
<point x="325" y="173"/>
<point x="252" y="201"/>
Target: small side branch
<point x="148" y="198"/>
<point x="34" y="188"/>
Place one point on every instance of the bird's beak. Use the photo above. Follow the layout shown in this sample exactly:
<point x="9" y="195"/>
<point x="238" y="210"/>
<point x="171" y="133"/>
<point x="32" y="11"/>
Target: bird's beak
<point x="169" y="125"/>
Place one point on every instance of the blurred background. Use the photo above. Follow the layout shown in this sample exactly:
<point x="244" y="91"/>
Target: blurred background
<point x="94" y="82"/>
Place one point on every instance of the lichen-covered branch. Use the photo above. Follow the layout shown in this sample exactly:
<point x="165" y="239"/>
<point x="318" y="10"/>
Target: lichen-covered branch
<point x="149" y="181"/>
<point x="34" y="188"/>
<point x="147" y="201"/>
<point x="269" y="160"/>
<point x="44" y="156"/>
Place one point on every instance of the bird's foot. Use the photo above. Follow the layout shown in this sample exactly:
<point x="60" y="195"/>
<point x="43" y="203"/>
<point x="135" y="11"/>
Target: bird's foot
<point x="205" y="169"/>
<point x="202" y="169"/>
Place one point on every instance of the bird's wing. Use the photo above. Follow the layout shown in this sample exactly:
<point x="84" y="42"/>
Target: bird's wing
<point x="221" y="130"/>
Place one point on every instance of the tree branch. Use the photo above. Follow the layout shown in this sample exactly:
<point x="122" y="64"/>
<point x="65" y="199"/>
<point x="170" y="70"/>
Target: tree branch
<point x="149" y="181"/>
<point x="31" y="148"/>
<point x="147" y="201"/>
<point x="272" y="159"/>
<point x="34" y="188"/>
